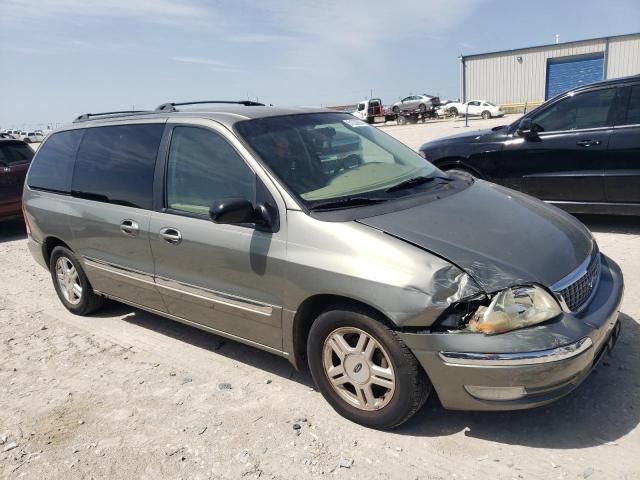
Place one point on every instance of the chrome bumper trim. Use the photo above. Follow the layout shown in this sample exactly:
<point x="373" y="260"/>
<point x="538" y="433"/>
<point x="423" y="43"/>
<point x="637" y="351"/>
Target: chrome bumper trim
<point x="517" y="359"/>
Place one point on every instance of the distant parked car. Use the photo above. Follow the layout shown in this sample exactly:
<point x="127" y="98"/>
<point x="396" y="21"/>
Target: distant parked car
<point x="480" y="108"/>
<point x="15" y="157"/>
<point x="15" y="134"/>
<point x="371" y="111"/>
<point x="416" y="102"/>
<point x="33" y="137"/>
<point x="578" y="151"/>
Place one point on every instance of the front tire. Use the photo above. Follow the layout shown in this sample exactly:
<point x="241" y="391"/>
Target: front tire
<point x="363" y="369"/>
<point x="71" y="283"/>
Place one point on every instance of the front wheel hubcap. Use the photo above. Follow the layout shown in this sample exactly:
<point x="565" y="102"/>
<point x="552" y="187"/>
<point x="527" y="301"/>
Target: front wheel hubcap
<point x="358" y="368"/>
<point x="68" y="280"/>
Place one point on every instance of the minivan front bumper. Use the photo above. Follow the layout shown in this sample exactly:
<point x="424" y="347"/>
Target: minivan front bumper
<point x="524" y="368"/>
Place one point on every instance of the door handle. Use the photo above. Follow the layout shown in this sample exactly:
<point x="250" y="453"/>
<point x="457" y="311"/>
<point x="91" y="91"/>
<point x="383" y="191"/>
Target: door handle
<point x="129" y="228"/>
<point x="588" y="143"/>
<point x="171" y="235"/>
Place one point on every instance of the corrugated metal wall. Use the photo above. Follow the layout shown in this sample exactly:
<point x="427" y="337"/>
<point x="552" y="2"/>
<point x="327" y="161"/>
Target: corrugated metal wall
<point x="624" y="56"/>
<point x="501" y="78"/>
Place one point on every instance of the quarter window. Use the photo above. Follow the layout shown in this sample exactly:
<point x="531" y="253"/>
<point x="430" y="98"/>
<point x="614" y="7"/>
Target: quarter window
<point x="117" y="164"/>
<point x="52" y="168"/>
<point x="202" y="168"/>
<point x="585" y="110"/>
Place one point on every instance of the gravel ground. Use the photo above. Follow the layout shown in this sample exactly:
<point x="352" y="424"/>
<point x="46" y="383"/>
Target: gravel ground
<point x="127" y="394"/>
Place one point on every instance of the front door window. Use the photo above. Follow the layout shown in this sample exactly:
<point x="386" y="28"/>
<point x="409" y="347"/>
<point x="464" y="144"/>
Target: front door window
<point x="202" y="168"/>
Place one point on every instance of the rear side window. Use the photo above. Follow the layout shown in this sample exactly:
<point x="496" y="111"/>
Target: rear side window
<point x="15" y="153"/>
<point x="52" y="168"/>
<point x="117" y="164"/>
<point x="633" y="111"/>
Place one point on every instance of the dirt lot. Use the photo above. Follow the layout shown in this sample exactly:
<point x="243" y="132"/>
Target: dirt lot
<point x="127" y="394"/>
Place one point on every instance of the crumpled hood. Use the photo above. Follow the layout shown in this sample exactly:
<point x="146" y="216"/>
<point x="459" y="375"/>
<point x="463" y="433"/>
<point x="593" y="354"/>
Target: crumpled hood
<point x="498" y="236"/>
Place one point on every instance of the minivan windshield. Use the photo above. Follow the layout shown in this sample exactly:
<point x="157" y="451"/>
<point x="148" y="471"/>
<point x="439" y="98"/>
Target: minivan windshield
<point x="335" y="157"/>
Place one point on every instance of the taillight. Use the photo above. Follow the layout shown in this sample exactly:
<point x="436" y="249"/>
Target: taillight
<point x="26" y="221"/>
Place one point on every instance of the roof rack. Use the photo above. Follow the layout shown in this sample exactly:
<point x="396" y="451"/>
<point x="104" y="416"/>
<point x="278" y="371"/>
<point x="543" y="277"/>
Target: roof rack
<point x="88" y="116"/>
<point x="171" y="106"/>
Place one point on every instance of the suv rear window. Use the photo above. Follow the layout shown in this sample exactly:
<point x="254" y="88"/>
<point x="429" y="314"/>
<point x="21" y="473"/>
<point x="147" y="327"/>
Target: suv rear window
<point x="52" y="167"/>
<point x="15" y="153"/>
<point x="116" y="164"/>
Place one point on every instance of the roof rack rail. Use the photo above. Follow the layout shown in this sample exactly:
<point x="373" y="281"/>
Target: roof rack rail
<point x="88" y="116"/>
<point x="171" y="106"/>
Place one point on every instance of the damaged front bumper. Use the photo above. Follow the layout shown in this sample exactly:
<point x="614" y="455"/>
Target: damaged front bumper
<point x="523" y="368"/>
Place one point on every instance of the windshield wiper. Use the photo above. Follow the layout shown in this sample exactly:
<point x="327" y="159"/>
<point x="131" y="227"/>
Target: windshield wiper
<point x="412" y="182"/>
<point x="346" y="202"/>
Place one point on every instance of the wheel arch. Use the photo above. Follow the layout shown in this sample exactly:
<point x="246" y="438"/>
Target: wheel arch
<point x="457" y="162"/>
<point x="49" y="244"/>
<point x="310" y="309"/>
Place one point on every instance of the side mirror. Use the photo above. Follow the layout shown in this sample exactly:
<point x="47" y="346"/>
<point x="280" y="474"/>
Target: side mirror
<point x="235" y="210"/>
<point x="232" y="210"/>
<point x="526" y="128"/>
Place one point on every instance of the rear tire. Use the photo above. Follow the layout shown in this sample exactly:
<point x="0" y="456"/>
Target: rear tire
<point x="71" y="283"/>
<point x="363" y="369"/>
<point x="486" y="114"/>
<point x="395" y="109"/>
<point x="422" y="108"/>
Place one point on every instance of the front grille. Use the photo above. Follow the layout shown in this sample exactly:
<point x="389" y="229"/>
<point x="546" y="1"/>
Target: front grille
<point x="577" y="293"/>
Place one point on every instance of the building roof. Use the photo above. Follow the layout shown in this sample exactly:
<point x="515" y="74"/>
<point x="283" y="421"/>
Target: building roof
<point x="547" y="45"/>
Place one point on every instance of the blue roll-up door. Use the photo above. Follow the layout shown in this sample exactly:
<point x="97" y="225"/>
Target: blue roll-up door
<point x="564" y="74"/>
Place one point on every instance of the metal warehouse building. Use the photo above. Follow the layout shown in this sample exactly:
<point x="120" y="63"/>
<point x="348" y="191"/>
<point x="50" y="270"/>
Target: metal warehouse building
<point x="532" y="75"/>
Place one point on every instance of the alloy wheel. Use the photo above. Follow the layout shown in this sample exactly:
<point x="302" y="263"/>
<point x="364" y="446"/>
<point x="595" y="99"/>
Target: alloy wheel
<point x="68" y="280"/>
<point x="358" y="368"/>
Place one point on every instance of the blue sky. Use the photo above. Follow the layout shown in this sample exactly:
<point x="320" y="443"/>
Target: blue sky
<point x="60" y="58"/>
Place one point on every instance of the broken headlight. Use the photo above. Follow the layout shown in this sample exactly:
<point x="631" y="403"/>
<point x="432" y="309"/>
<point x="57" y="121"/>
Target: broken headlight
<point x="514" y="308"/>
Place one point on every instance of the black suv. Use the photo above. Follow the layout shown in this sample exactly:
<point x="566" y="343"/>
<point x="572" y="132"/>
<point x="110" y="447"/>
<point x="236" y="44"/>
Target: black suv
<point x="579" y="150"/>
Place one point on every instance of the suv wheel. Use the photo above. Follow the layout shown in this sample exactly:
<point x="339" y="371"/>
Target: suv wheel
<point x="486" y="114"/>
<point x="71" y="283"/>
<point x="363" y="369"/>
